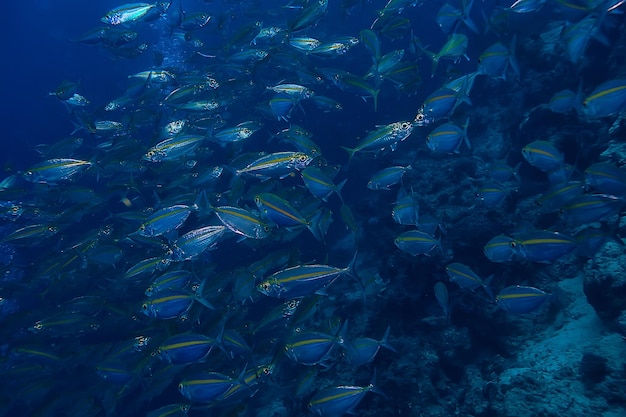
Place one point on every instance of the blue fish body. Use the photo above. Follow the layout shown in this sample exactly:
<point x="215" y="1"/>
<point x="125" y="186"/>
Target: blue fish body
<point x="607" y="99"/>
<point x="545" y="246"/>
<point x="501" y="249"/>
<point x="205" y="387"/>
<point x="521" y="300"/>
<point x="185" y="348"/>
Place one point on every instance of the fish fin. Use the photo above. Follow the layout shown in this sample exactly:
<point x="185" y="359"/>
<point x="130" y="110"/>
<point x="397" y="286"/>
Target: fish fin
<point x="465" y="137"/>
<point x="385" y="341"/>
<point x="351" y="152"/>
<point x="338" y="188"/>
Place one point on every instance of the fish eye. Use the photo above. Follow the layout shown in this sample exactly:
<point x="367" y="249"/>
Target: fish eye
<point x="150" y="154"/>
<point x="184" y="408"/>
<point x="419" y="117"/>
<point x="265" y="285"/>
<point x="181" y="386"/>
<point x="513" y="244"/>
<point x="303" y="158"/>
<point x="266" y="228"/>
<point x="257" y="199"/>
<point x="144" y="306"/>
<point x="405" y="125"/>
<point x="38" y="326"/>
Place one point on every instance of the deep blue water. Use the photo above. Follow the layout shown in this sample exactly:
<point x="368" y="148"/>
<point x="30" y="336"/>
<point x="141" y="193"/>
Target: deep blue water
<point x="94" y="308"/>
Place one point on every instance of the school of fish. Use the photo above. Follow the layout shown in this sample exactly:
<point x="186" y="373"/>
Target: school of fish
<point x="230" y="234"/>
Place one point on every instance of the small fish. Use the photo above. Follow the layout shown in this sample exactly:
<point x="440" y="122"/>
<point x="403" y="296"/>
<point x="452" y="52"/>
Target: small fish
<point x="606" y="178"/>
<point x="563" y="101"/>
<point x="415" y="242"/>
<point x="302" y="280"/>
<point x="169" y="280"/>
<point x="276" y="165"/>
<point x="185" y="348"/>
<point x="205" y="387"/>
<point x="387" y="177"/>
<point x="448" y="138"/>
<point x="172" y="303"/>
<point x="311" y="348"/>
<point x="454" y="48"/>
<point x="497" y="59"/>
<point x="607" y="99"/>
<point x="384" y="136"/>
<point x="464" y="277"/>
<point x="127" y="13"/>
<point x="544" y="246"/>
<point x="336" y="401"/>
<point x="242" y="222"/>
<point x="493" y="193"/>
<point x="439" y="104"/>
<point x="319" y="184"/>
<point x="364" y="349"/>
<point x="501" y="249"/>
<point x="406" y="210"/>
<point x="193" y="243"/>
<point x="560" y="194"/>
<point x="543" y="155"/>
<point x="521" y="300"/>
<point x="173" y="148"/>
<point x="53" y="170"/>
<point x="165" y="220"/>
<point x="449" y="17"/>
<point x="589" y="208"/>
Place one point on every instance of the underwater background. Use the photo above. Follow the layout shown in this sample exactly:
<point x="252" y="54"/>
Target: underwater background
<point x="323" y="207"/>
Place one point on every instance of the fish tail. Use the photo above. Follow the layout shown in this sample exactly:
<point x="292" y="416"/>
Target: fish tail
<point x="338" y="188"/>
<point x="385" y="341"/>
<point x="351" y="152"/>
<point x="314" y="225"/>
<point x="465" y="137"/>
<point x="375" y="97"/>
<point x="200" y="298"/>
<point x="487" y="287"/>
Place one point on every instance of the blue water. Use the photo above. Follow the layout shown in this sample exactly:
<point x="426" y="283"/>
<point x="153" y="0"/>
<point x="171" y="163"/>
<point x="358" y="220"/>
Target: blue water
<point x="95" y="310"/>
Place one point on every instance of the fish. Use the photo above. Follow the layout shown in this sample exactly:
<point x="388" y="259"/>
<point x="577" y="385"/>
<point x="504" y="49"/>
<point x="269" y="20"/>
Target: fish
<point x="172" y="303"/>
<point x="543" y="155"/>
<point x="449" y="17"/>
<point x="493" y="193"/>
<point x="132" y="12"/>
<point x="454" y="48"/>
<point x="415" y="242"/>
<point x="607" y="99"/>
<point x="606" y="178"/>
<point x="406" y="210"/>
<point x="363" y="350"/>
<point x="205" y="387"/>
<point x="448" y="137"/>
<point x="173" y="148"/>
<point x="302" y="280"/>
<point x="497" y="59"/>
<point x="381" y="138"/>
<point x="520" y="299"/>
<point x="242" y="222"/>
<point x="589" y="208"/>
<point x="464" y="277"/>
<point x="193" y="243"/>
<point x="58" y="169"/>
<point x="312" y="348"/>
<point x="336" y="401"/>
<point x="501" y="248"/>
<point x="559" y="195"/>
<point x="439" y="104"/>
<point x="563" y="101"/>
<point x="280" y="212"/>
<point x="544" y="246"/>
<point x="185" y="348"/>
<point x="276" y="165"/>
<point x="319" y="184"/>
<point x="387" y="177"/>
<point x="165" y="220"/>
